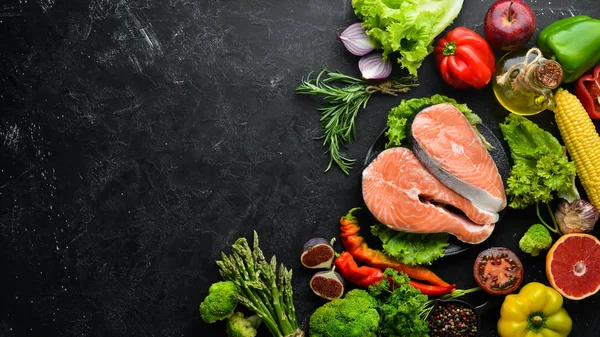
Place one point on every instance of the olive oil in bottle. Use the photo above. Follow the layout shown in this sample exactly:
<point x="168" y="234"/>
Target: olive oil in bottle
<point x="524" y="82"/>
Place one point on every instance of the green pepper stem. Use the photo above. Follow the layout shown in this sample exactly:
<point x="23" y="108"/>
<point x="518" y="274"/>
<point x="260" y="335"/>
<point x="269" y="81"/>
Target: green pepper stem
<point x="536" y="322"/>
<point x="449" y="48"/>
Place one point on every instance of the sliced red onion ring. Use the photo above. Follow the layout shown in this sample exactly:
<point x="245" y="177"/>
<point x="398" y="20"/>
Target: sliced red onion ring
<point x="356" y="40"/>
<point x="373" y="67"/>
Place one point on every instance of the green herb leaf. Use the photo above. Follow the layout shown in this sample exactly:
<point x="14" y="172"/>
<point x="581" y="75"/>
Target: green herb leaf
<point x="400" y="309"/>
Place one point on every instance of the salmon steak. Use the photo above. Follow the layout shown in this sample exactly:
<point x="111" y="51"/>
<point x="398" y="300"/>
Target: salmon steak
<point x="443" y="140"/>
<point x="401" y="194"/>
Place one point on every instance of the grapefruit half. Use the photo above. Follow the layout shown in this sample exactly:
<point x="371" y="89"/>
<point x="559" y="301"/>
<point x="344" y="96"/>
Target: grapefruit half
<point x="573" y="265"/>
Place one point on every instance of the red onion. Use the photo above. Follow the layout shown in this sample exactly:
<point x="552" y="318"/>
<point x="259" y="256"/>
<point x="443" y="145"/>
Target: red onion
<point x="356" y="40"/>
<point x="373" y="67"/>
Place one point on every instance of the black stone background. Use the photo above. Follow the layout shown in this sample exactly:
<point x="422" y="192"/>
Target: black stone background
<point x="139" y="139"/>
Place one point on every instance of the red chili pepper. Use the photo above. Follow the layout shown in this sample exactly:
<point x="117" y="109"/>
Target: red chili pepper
<point x="361" y="276"/>
<point x="464" y="59"/>
<point x="358" y="248"/>
<point x="366" y="276"/>
<point x="587" y="89"/>
<point x="429" y="290"/>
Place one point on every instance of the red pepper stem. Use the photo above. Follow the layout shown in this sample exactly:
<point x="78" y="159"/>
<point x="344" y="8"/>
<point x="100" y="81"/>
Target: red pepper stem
<point x="450" y="48"/>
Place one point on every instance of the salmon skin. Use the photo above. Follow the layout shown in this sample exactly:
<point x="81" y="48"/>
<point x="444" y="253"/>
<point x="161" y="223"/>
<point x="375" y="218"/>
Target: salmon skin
<point x="401" y="194"/>
<point x="443" y="140"/>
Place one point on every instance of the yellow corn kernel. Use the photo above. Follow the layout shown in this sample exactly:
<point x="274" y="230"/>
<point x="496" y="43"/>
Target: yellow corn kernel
<point x="582" y="142"/>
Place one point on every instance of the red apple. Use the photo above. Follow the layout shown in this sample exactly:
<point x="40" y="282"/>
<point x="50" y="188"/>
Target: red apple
<point x="509" y="24"/>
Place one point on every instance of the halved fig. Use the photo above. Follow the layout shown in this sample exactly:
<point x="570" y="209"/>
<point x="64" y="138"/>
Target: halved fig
<point x="327" y="284"/>
<point x="318" y="253"/>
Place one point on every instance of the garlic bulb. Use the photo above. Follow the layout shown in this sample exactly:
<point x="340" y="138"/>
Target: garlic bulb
<point x="576" y="217"/>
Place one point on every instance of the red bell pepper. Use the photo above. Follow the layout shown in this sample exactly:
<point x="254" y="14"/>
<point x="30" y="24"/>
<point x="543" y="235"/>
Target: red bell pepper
<point x="464" y="59"/>
<point x="587" y="89"/>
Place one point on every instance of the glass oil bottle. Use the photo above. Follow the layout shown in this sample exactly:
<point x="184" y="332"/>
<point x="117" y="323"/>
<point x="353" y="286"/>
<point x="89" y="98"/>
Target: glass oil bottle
<point x="524" y="82"/>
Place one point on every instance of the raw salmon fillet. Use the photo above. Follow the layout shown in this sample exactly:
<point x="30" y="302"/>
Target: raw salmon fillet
<point x="449" y="147"/>
<point x="403" y="195"/>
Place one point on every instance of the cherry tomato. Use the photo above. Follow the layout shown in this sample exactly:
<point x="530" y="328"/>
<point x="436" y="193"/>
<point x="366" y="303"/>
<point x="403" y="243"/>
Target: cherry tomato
<point x="498" y="271"/>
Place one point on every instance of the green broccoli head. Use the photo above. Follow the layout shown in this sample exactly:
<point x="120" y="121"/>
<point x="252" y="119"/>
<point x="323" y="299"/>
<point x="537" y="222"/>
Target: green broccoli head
<point x="240" y="326"/>
<point x="220" y="302"/>
<point x="355" y="315"/>
<point x="536" y="239"/>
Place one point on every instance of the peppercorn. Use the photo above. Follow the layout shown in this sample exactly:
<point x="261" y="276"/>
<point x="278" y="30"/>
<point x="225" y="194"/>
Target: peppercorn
<point x="452" y="320"/>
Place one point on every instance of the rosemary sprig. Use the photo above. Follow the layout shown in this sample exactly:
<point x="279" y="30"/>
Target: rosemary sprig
<point x="341" y="105"/>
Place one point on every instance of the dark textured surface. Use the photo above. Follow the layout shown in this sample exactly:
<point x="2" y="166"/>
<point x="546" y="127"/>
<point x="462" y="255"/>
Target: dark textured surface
<point x="139" y="139"/>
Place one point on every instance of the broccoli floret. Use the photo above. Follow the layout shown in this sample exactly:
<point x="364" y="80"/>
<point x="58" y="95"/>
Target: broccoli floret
<point x="240" y="326"/>
<point x="220" y="302"/>
<point x="536" y="239"/>
<point x="355" y="315"/>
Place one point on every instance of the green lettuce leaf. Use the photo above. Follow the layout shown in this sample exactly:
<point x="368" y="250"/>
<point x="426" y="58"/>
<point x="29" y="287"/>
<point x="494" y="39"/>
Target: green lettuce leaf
<point x="411" y="248"/>
<point x="399" y="115"/>
<point x="527" y="141"/>
<point x="541" y="167"/>
<point x="406" y="26"/>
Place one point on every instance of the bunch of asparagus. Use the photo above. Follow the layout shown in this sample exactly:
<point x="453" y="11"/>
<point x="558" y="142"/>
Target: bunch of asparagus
<point x="262" y="290"/>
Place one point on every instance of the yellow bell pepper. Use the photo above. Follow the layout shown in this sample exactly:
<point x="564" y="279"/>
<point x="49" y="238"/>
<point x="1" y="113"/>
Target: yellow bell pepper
<point x="536" y="311"/>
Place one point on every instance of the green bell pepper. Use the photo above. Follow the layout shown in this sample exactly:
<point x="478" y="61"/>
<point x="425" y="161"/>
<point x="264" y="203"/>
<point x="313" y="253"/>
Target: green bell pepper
<point x="574" y="43"/>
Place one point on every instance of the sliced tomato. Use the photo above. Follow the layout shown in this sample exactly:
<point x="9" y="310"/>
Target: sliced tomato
<point x="498" y="271"/>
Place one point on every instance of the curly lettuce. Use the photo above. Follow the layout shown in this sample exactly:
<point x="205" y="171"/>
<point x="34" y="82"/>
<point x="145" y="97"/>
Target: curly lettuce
<point x="411" y="248"/>
<point x="541" y="167"/>
<point x="398" y="116"/>
<point x="406" y="26"/>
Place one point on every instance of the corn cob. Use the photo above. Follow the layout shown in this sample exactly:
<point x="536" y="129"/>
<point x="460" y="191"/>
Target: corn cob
<point x="582" y="142"/>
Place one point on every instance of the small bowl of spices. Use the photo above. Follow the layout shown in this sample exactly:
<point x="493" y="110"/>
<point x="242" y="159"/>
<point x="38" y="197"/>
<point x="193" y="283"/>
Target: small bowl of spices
<point x="453" y="318"/>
